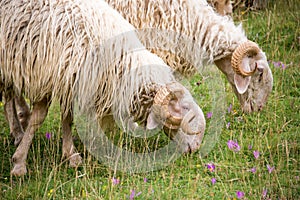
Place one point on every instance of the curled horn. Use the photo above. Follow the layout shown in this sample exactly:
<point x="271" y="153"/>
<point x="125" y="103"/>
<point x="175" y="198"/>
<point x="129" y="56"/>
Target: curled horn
<point x="248" y="47"/>
<point x="190" y="116"/>
<point x="161" y="108"/>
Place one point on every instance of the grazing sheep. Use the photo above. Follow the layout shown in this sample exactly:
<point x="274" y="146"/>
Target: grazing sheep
<point x="85" y="50"/>
<point x="165" y="25"/>
<point x="223" y="7"/>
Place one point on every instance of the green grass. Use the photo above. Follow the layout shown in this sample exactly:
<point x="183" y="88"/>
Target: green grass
<point x="274" y="132"/>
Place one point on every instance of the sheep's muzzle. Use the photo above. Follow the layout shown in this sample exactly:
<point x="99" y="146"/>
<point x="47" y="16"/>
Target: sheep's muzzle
<point x="188" y="123"/>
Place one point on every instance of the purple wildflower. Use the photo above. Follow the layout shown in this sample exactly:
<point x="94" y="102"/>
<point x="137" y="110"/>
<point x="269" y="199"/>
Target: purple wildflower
<point x="48" y="135"/>
<point x="253" y="170"/>
<point x="132" y="194"/>
<point x="256" y="154"/>
<point x="229" y="108"/>
<point x="145" y="180"/>
<point x="232" y="145"/>
<point x="264" y="193"/>
<point x="240" y="194"/>
<point x="115" y="181"/>
<point x="213" y="181"/>
<point x="250" y="147"/>
<point x="211" y="167"/>
<point x="277" y="64"/>
<point x="228" y="125"/>
<point x="209" y="115"/>
<point x="270" y="169"/>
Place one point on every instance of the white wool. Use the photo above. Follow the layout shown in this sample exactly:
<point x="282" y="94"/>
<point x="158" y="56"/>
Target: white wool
<point x="210" y="36"/>
<point x="73" y="48"/>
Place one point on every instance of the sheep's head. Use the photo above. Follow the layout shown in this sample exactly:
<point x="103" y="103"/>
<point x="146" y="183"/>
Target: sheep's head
<point x="182" y="119"/>
<point x="249" y="74"/>
<point x="223" y="7"/>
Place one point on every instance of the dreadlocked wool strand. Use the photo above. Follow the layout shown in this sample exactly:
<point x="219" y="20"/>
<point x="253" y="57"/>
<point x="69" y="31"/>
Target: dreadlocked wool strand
<point x="61" y="49"/>
<point x="188" y="32"/>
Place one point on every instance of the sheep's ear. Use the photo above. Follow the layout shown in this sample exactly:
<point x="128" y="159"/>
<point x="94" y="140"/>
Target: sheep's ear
<point x="151" y="122"/>
<point x="241" y="83"/>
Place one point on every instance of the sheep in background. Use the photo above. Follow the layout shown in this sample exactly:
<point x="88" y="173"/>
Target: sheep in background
<point x="52" y="50"/>
<point x="251" y="4"/>
<point x="215" y="39"/>
<point x="223" y="7"/>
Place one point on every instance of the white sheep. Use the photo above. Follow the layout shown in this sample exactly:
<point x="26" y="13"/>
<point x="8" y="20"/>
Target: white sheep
<point x="59" y="50"/>
<point x="167" y="26"/>
<point x="217" y="39"/>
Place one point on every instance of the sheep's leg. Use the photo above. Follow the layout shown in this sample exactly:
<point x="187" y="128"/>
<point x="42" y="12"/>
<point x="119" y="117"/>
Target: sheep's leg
<point x="69" y="151"/>
<point x="16" y="130"/>
<point x="39" y="113"/>
<point x="23" y="111"/>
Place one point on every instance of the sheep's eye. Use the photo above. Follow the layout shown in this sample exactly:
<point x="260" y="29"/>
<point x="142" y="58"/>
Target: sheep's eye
<point x="185" y="106"/>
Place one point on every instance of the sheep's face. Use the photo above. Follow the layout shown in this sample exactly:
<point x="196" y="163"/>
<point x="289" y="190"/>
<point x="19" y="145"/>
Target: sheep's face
<point x="181" y="118"/>
<point x="254" y="86"/>
<point x="254" y="90"/>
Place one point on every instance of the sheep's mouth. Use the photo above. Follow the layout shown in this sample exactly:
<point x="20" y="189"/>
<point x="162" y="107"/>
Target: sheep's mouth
<point x="248" y="107"/>
<point x="186" y="143"/>
<point x="252" y="107"/>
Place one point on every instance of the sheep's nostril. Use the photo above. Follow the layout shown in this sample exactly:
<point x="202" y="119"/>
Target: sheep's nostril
<point x="260" y="69"/>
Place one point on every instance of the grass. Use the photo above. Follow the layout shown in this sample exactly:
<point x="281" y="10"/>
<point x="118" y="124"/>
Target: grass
<point x="274" y="132"/>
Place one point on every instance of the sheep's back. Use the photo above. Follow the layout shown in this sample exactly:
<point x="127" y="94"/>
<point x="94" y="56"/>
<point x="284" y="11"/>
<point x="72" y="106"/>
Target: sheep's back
<point x="45" y="43"/>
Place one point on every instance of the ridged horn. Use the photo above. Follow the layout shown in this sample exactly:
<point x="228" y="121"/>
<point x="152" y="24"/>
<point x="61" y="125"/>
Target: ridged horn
<point x="248" y="47"/>
<point x="186" y="127"/>
<point x="161" y="108"/>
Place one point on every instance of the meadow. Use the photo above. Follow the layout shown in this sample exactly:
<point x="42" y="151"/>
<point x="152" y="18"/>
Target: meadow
<point x="255" y="157"/>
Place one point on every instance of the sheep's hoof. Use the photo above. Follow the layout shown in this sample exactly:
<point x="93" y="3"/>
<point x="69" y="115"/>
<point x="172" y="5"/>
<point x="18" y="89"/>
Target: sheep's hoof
<point x="75" y="160"/>
<point x="19" y="170"/>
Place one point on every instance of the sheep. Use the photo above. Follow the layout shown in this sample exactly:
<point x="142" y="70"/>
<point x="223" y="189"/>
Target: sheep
<point x="252" y="4"/>
<point x="217" y="40"/>
<point x="188" y="33"/>
<point x="223" y="7"/>
<point x="85" y="51"/>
